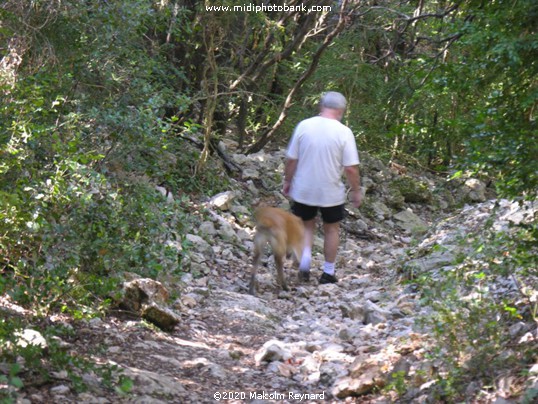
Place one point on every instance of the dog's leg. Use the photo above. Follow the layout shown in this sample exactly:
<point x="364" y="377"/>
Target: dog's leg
<point x="253" y="282"/>
<point x="281" y="279"/>
<point x="278" y="244"/>
<point x="258" y="247"/>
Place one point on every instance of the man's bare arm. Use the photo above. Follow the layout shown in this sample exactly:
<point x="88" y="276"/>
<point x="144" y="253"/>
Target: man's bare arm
<point x="289" y="171"/>
<point x="354" y="180"/>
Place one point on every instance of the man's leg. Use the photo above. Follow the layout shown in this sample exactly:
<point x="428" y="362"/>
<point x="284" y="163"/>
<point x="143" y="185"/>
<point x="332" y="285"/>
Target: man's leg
<point x="332" y="240"/>
<point x="330" y="248"/>
<point x="331" y="227"/>
<point x="309" y="229"/>
<point x="308" y="216"/>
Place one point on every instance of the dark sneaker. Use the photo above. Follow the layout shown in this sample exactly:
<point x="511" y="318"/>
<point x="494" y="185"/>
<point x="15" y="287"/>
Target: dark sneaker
<point x="326" y="278"/>
<point x="304" y="276"/>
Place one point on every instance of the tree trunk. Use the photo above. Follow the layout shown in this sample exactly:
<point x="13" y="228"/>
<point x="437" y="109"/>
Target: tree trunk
<point x="210" y="87"/>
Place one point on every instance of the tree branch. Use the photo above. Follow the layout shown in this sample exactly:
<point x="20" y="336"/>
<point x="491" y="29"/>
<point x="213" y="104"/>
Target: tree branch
<point x="268" y="134"/>
<point x="258" y="67"/>
<point x="410" y="19"/>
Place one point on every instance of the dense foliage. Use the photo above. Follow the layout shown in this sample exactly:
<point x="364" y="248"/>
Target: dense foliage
<point x="451" y="92"/>
<point x="102" y="101"/>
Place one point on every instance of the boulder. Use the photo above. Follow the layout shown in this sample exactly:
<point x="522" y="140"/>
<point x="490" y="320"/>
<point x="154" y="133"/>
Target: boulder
<point x="380" y="210"/>
<point x="227" y="232"/>
<point x="394" y="198"/>
<point x="353" y="311"/>
<point x="410" y="222"/>
<point x="375" y="314"/>
<point x="412" y="190"/>
<point x="474" y="190"/>
<point x="60" y="390"/>
<point x="199" y="244"/>
<point x="251" y="173"/>
<point x="161" y="316"/>
<point x="30" y="337"/>
<point x="166" y="194"/>
<point x="272" y="351"/>
<point x="141" y="291"/>
<point x="222" y="201"/>
<point x="207" y="229"/>
<point x="362" y="381"/>
<point x="436" y="260"/>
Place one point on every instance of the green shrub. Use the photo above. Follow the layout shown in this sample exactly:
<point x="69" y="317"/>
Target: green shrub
<point x="472" y="319"/>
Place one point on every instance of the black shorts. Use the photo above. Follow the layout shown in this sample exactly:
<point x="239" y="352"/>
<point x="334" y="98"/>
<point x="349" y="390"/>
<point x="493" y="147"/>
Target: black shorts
<point x="329" y="215"/>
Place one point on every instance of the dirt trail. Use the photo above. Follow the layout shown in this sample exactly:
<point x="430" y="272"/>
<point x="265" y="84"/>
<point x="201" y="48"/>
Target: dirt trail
<point x="279" y="346"/>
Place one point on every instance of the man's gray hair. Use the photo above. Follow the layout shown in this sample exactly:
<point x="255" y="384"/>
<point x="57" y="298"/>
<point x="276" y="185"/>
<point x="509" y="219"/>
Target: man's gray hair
<point x="333" y="100"/>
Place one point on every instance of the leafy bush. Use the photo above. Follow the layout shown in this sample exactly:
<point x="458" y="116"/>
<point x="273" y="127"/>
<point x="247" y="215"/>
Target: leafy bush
<point x="83" y="144"/>
<point x="477" y="323"/>
<point x="63" y="215"/>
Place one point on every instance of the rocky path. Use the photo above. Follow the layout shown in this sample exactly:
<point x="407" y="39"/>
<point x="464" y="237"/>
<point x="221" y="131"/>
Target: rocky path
<point x="348" y="342"/>
<point x="314" y="343"/>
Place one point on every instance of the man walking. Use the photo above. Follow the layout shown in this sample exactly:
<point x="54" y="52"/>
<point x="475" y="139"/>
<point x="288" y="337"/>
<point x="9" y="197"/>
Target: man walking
<point x="321" y="150"/>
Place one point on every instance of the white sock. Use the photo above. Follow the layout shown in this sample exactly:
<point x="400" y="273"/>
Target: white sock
<point x="306" y="258"/>
<point x="328" y="268"/>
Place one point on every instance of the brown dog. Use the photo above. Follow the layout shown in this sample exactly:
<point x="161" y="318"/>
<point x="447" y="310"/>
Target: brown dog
<point x="284" y="232"/>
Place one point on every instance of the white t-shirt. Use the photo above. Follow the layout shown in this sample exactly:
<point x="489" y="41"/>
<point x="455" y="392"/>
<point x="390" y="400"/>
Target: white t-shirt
<point x="323" y="147"/>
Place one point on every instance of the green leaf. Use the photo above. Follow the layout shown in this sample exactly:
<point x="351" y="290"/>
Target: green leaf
<point x="16" y="382"/>
<point x="126" y="385"/>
